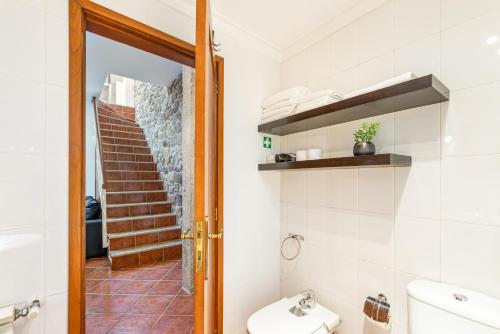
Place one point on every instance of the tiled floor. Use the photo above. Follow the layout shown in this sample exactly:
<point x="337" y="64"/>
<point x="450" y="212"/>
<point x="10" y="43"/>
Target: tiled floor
<point x="142" y="300"/>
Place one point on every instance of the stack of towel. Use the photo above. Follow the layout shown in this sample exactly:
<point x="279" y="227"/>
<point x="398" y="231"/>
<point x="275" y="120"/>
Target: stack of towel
<point x="295" y="100"/>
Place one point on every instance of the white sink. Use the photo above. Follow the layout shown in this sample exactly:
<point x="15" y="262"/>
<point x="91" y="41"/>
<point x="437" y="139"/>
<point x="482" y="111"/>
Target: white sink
<point x="21" y="276"/>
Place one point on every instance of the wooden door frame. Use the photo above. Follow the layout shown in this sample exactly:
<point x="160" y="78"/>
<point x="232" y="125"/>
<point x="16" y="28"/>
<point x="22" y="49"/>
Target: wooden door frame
<point x="84" y="15"/>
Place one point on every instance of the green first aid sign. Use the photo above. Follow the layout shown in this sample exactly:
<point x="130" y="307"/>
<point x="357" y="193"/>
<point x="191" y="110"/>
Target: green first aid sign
<point x="267" y="142"/>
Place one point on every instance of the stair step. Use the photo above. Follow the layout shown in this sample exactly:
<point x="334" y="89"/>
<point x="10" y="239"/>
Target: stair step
<point x="129" y="166"/>
<point x="143" y="237"/>
<point x="138" y="209"/>
<point x="114" y="120"/>
<point x="133" y="185"/>
<point x="122" y="134"/>
<point x="125" y="175"/>
<point x="107" y="111"/>
<point x="124" y="128"/>
<point x="130" y="157"/>
<point x="135" y="196"/>
<point x="128" y="224"/>
<point x="117" y="148"/>
<point x="124" y="141"/>
<point x="136" y="256"/>
<point x="145" y="231"/>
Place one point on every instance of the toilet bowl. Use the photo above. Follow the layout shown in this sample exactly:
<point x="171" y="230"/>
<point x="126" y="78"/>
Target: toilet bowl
<point x="277" y="318"/>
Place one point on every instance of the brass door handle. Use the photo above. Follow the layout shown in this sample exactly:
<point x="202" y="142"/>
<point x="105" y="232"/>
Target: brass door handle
<point x="215" y="235"/>
<point x="185" y="235"/>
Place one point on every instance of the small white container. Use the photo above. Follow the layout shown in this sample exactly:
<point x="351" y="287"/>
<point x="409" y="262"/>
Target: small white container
<point x="301" y="155"/>
<point x="314" y="154"/>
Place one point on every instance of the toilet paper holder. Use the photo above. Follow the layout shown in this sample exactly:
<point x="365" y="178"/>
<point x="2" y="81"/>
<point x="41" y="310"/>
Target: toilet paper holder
<point x="377" y="310"/>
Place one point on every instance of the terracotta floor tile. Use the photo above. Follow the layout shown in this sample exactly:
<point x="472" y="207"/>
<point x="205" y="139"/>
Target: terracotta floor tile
<point x="173" y="325"/>
<point x="134" y="324"/>
<point x="137" y="287"/>
<point x="151" y="274"/>
<point x="96" y="262"/>
<point x="178" y="265"/>
<point x="165" y="288"/>
<point x="100" y="323"/>
<point x="108" y="286"/>
<point x="118" y="304"/>
<point x="94" y="302"/>
<point x="181" y="305"/>
<point x="183" y="292"/>
<point x="174" y="274"/>
<point x="164" y="265"/>
<point x="152" y="305"/>
<point x="90" y="283"/>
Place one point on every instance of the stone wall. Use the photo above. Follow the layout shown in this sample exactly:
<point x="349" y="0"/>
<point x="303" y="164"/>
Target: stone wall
<point x="158" y="112"/>
<point x="167" y="116"/>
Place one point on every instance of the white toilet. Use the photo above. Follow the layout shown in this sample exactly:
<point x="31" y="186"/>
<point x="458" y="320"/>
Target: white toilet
<point x="285" y="317"/>
<point x="435" y="308"/>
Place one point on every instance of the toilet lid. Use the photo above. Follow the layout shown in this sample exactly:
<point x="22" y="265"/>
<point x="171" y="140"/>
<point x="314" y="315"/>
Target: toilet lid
<point x="276" y="319"/>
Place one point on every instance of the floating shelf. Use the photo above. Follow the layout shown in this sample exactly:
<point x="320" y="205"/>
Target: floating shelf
<point x="378" y="160"/>
<point x="415" y="93"/>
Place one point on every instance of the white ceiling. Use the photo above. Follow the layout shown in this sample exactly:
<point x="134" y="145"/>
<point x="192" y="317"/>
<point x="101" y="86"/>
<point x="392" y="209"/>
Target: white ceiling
<point x="280" y="22"/>
<point x="105" y="56"/>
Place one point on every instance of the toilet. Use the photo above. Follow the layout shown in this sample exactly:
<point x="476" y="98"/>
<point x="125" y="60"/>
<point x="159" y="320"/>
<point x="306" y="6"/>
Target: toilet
<point x="285" y="317"/>
<point x="436" y="308"/>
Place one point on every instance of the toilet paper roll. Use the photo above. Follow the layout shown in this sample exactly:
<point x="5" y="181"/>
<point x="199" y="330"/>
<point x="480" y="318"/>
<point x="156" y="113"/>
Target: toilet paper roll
<point x="301" y="155"/>
<point x="314" y="154"/>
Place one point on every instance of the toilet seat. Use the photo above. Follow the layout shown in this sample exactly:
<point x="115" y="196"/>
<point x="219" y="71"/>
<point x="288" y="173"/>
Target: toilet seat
<point x="276" y="319"/>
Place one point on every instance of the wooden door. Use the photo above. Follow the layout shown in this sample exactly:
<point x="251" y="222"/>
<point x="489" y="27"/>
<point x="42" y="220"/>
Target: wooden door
<point x="205" y="188"/>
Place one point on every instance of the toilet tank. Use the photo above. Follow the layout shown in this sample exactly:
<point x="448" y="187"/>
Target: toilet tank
<point x="436" y="308"/>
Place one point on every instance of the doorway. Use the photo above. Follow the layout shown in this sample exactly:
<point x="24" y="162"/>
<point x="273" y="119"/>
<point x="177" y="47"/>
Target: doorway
<point x="87" y="17"/>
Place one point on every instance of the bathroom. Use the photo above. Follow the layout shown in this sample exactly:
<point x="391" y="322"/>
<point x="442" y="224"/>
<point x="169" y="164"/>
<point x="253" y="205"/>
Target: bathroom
<point x="366" y="230"/>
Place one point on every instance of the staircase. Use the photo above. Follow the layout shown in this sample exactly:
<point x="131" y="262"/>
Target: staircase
<point x="141" y="228"/>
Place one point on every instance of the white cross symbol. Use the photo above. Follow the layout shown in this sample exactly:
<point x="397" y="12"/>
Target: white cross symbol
<point x="267" y="142"/>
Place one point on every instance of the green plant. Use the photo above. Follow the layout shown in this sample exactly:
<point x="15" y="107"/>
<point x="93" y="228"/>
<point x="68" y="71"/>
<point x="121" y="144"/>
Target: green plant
<point x="366" y="132"/>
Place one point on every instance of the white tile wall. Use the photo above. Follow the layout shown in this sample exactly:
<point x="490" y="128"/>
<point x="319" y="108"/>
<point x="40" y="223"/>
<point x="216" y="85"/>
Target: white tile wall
<point x="33" y="152"/>
<point x="387" y="227"/>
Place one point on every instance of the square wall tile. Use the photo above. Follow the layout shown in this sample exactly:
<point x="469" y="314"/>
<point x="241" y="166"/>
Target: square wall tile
<point x="296" y="185"/>
<point x="56" y="185"/>
<point x="297" y="218"/>
<point x="376" y="190"/>
<point x="343" y="276"/>
<point x="418" y="131"/>
<point x="23" y="53"/>
<point x="345" y="44"/>
<point x="345" y="82"/>
<point x="376" y="70"/>
<point x="418" y="246"/>
<point x="416" y="19"/>
<point x="57" y="51"/>
<point x="376" y="239"/>
<point x="317" y="226"/>
<point x="471" y="188"/>
<point x="22" y="190"/>
<point x="469" y="58"/>
<point x="455" y="12"/>
<point x="343" y="236"/>
<point x="56" y="259"/>
<point x="418" y="189"/>
<point x="25" y="117"/>
<point x="400" y="302"/>
<point x="477" y="106"/>
<point x="476" y="265"/>
<point x="342" y="188"/>
<point x="57" y="120"/>
<point x="376" y="32"/>
<point x="421" y="57"/>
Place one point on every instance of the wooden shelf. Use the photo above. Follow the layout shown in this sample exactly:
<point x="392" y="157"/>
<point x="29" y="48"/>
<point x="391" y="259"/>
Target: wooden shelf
<point x="378" y="160"/>
<point x="406" y="95"/>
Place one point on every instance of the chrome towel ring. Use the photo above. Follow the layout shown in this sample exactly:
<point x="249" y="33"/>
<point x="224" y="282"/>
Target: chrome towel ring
<point x="298" y="239"/>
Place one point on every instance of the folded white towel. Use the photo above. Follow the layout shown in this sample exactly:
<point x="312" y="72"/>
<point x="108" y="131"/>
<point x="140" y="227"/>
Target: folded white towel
<point x="319" y="102"/>
<point x="284" y="95"/>
<point x="282" y="114"/>
<point x="316" y="95"/>
<point x="276" y="112"/>
<point x="279" y="105"/>
<point x="386" y="83"/>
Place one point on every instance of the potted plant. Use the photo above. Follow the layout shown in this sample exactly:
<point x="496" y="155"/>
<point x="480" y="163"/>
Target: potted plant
<point x="363" y="139"/>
